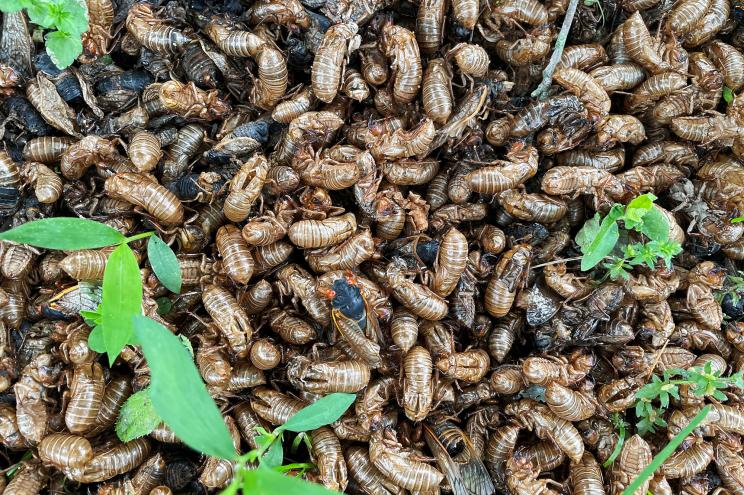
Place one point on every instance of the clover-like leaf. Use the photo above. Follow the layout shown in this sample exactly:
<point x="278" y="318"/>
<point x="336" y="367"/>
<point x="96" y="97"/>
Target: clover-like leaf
<point x="137" y="417"/>
<point x="655" y="225"/>
<point x="63" y="48"/>
<point x="71" y="17"/>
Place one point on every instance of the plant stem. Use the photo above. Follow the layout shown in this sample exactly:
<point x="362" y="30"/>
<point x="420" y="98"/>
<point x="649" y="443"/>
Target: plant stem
<point x="666" y="452"/>
<point x="542" y="90"/>
<point x="555" y="262"/>
<point x="618" y="446"/>
<point x="138" y="237"/>
<point x="296" y="465"/>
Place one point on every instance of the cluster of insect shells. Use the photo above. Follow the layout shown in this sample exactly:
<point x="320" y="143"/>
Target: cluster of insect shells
<point x="356" y="192"/>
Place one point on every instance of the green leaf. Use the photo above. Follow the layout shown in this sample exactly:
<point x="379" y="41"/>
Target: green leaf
<point x="95" y="339"/>
<point x="137" y="417"/>
<point x="720" y="396"/>
<point x="264" y="481"/>
<point x="666" y="250"/>
<point x="617" y="268"/>
<point x="738" y="379"/>
<point x="187" y="344"/>
<point x="619" y="444"/>
<point x="301" y="466"/>
<point x="164" y="264"/>
<point x="92" y="318"/>
<point x="728" y="95"/>
<point x="655" y="225"/>
<point x="274" y="455"/>
<point x="601" y="246"/>
<point x="40" y="13"/>
<point x="122" y="299"/>
<point x="644" y="254"/>
<point x="674" y="392"/>
<point x="72" y="17"/>
<point x="596" y="244"/>
<point x="637" y="209"/>
<point x="13" y="5"/>
<point x="164" y="305"/>
<point x="296" y="443"/>
<point x="179" y="394"/>
<point x="662" y="456"/>
<point x="589" y="231"/>
<point x="63" y="48"/>
<point x="737" y="220"/>
<point x="64" y="233"/>
<point x="232" y="488"/>
<point x="323" y="411"/>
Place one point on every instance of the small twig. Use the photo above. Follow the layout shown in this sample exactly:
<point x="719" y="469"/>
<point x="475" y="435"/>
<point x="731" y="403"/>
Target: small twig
<point x="555" y="262"/>
<point x="542" y="90"/>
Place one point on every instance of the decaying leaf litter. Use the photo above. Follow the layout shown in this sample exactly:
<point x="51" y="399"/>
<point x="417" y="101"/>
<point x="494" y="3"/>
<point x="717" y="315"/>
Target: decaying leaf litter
<point x="529" y="290"/>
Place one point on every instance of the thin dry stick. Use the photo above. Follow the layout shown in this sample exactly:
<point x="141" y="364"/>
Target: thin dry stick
<point x="555" y="262"/>
<point x="542" y="90"/>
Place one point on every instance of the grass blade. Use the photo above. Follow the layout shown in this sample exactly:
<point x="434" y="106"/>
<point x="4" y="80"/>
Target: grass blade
<point x="662" y="456"/>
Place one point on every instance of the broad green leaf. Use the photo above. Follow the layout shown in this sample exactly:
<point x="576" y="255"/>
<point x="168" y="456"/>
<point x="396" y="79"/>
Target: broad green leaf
<point x="263" y="481"/>
<point x="13" y="5"/>
<point x="324" y="411"/>
<point x="737" y="220"/>
<point x="63" y="48"/>
<point x="598" y="242"/>
<point x="137" y="417"/>
<point x="662" y="456"/>
<point x="39" y="12"/>
<point x="642" y="202"/>
<point x="637" y="209"/>
<point x="95" y="339"/>
<point x="122" y="299"/>
<point x="601" y="246"/>
<point x="588" y="231"/>
<point x="72" y="17"/>
<point x="728" y="95"/>
<point x="178" y="392"/>
<point x="164" y="264"/>
<point x="64" y="233"/>
<point x="655" y="225"/>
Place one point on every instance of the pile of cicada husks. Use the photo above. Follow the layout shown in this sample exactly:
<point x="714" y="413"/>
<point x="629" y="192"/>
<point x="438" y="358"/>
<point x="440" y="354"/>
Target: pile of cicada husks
<point x="364" y="198"/>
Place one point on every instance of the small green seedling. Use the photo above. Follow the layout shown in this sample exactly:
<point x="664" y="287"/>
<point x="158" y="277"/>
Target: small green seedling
<point x="599" y="237"/>
<point x="704" y="382"/>
<point x="667" y="451"/>
<point x="177" y="395"/>
<point x="620" y="424"/>
<point x="266" y="479"/>
<point x="66" y="21"/>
